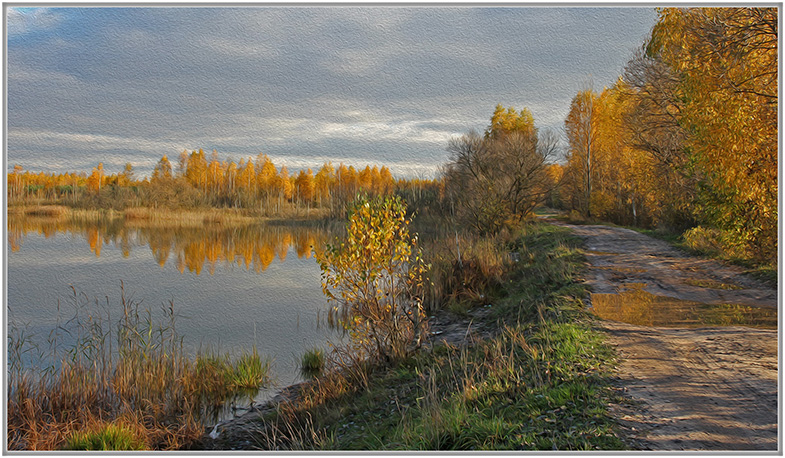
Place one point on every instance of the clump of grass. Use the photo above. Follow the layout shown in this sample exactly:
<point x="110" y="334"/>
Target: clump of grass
<point x="312" y="362"/>
<point x="104" y="437"/>
<point x="250" y="372"/>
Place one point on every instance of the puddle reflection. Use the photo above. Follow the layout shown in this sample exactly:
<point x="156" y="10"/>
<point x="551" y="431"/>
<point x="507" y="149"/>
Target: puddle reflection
<point x="636" y="306"/>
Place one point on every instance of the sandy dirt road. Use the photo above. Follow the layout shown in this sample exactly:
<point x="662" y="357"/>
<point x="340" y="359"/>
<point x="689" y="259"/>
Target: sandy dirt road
<point x="701" y="388"/>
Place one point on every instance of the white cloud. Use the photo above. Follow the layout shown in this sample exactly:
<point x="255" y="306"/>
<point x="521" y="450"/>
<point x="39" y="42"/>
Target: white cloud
<point x="25" y="20"/>
<point x="244" y="49"/>
<point x="384" y="83"/>
<point x="31" y="139"/>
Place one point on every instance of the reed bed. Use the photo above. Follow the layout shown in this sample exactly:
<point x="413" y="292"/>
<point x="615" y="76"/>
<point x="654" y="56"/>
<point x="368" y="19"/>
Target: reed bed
<point x="166" y="217"/>
<point x="127" y="384"/>
<point x="50" y="211"/>
<point x="465" y="270"/>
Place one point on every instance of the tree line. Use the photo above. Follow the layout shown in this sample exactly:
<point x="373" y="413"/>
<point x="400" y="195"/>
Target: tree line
<point x="195" y="180"/>
<point x="686" y="138"/>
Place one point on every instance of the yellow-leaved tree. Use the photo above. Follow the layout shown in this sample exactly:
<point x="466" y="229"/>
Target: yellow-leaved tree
<point x="374" y="279"/>
<point x="725" y="60"/>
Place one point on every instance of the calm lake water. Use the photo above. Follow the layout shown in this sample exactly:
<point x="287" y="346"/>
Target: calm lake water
<point x="232" y="287"/>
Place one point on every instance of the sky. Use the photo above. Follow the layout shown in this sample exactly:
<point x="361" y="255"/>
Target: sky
<point x="305" y="85"/>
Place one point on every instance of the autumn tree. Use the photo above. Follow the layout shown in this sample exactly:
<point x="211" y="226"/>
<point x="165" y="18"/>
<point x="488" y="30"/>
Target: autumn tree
<point x="196" y="170"/>
<point x="653" y="127"/>
<point x="496" y="179"/>
<point x="14" y="182"/>
<point x="96" y="178"/>
<point x="304" y="186"/>
<point x="582" y="130"/>
<point x="163" y="169"/>
<point x="726" y="63"/>
<point x="323" y="183"/>
<point x="127" y="176"/>
<point x="374" y="277"/>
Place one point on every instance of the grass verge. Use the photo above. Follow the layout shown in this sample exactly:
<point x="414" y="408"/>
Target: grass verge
<point x="540" y="381"/>
<point x="698" y="241"/>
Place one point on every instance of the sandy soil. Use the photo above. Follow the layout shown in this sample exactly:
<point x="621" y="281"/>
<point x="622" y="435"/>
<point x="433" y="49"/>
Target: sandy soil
<point x="709" y="388"/>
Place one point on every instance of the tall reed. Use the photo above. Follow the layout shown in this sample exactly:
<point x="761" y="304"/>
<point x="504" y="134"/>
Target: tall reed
<point x="95" y="373"/>
<point x="465" y="269"/>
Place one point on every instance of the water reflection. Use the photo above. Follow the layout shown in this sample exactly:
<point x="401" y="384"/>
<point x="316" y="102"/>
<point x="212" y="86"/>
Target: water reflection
<point x="634" y="305"/>
<point x="252" y="246"/>
<point x="263" y="289"/>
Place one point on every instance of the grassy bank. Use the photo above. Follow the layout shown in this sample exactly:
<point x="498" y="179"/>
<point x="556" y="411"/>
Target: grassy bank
<point x="538" y="381"/>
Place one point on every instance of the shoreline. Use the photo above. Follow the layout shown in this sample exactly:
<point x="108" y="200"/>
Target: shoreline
<point x="446" y="328"/>
<point x="149" y="216"/>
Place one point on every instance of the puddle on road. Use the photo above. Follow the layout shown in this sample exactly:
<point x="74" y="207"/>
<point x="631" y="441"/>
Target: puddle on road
<point x="636" y="306"/>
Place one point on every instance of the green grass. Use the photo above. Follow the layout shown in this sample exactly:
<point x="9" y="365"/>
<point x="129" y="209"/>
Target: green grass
<point x="108" y="437"/>
<point x="250" y="372"/>
<point x="541" y="382"/>
<point x="312" y="362"/>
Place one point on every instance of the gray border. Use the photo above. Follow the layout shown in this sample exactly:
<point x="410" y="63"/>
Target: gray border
<point x="408" y="4"/>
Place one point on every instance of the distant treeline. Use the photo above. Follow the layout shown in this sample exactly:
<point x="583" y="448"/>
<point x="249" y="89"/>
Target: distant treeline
<point x="195" y="181"/>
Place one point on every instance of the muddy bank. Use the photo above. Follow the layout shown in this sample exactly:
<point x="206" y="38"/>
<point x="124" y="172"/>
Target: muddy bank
<point x="242" y="432"/>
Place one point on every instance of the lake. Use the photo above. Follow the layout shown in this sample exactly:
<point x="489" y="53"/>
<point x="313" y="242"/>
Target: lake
<point x="232" y="287"/>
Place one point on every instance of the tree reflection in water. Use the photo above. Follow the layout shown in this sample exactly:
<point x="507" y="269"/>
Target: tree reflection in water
<point x="192" y="247"/>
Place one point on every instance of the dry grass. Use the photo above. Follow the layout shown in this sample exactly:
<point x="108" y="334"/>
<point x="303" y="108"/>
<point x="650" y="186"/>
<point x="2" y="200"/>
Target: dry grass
<point x="465" y="270"/>
<point x="50" y="211"/>
<point x="135" y="374"/>
<point x="183" y="218"/>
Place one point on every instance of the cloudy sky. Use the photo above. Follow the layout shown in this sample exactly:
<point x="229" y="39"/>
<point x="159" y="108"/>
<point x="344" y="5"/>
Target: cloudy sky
<point x="372" y="85"/>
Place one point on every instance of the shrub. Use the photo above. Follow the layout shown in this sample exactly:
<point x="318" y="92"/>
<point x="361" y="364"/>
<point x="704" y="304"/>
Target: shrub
<point x="375" y="279"/>
<point x="712" y="242"/>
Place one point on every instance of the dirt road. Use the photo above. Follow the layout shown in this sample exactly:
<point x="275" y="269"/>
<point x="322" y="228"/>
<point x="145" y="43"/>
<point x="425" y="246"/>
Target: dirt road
<point x="703" y="387"/>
